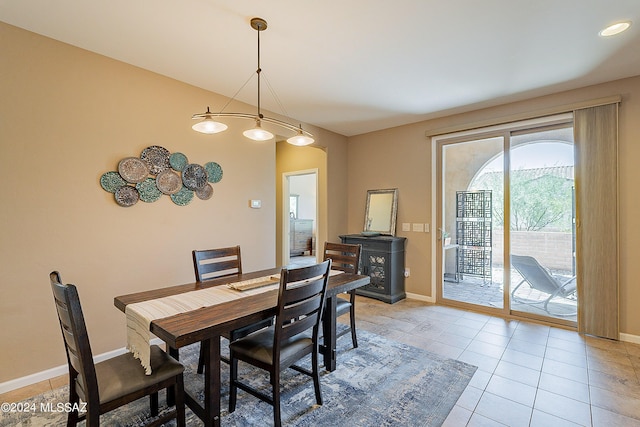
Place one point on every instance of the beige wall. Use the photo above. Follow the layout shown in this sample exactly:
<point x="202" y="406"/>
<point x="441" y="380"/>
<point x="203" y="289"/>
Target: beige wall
<point x="401" y="157"/>
<point x="66" y="117"/>
<point x="396" y="158"/>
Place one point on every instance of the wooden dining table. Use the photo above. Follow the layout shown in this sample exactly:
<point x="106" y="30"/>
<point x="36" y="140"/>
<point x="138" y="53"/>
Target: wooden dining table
<point x="207" y="325"/>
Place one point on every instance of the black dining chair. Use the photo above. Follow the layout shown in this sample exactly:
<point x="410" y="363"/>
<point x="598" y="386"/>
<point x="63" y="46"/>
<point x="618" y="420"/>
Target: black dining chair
<point x="114" y="382"/>
<point x="345" y="257"/>
<point x="211" y="264"/>
<point x="300" y="305"/>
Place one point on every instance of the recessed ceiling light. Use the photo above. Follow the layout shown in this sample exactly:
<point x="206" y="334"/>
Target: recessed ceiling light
<point x="614" y="29"/>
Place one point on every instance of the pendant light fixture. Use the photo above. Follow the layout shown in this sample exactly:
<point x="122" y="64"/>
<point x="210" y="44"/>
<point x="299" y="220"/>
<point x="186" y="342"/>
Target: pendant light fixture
<point x="209" y="125"/>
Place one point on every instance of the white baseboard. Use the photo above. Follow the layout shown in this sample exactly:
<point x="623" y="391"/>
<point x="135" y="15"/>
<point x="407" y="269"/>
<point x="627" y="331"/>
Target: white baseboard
<point x="59" y="370"/>
<point x="630" y="338"/>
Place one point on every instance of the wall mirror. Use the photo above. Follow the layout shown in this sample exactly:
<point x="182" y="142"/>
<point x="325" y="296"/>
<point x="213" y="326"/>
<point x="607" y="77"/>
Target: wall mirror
<point x="380" y="212"/>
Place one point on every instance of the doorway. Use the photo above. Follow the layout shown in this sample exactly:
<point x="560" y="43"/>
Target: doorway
<point x="300" y="210"/>
<point x="507" y="222"/>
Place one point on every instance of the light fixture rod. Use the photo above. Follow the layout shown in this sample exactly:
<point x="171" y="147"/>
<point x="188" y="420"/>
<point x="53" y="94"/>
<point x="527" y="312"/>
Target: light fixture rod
<point x="258" y="27"/>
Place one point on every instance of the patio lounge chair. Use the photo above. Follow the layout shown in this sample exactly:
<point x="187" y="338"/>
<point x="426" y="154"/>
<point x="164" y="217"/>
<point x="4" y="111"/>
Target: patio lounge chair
<point x="539" y="278"/>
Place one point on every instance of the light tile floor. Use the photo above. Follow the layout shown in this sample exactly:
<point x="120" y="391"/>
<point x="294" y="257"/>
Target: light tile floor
<point x="528" y="374"/>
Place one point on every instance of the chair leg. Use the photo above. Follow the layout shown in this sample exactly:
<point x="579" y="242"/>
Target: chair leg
<point x="153" y="403"/>
<point x="93" y="417"/>
<point x="180" y="413"/>
<point x="354" y="339"/>
<point x="275" y="381"/>
<point x="233" y="388"/>
<point x="201" y="360"/>
<point x="72" y="417"/>
<point x="316" y="377"/>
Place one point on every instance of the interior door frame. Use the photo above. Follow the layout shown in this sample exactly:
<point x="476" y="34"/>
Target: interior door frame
<point x="286" y="193"/>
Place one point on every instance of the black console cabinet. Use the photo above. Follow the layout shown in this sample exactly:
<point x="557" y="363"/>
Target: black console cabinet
<point x="382" y="259"/>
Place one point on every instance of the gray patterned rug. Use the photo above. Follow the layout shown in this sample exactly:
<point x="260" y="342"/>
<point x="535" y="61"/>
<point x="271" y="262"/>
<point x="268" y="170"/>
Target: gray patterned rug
<point x="381" y="383"/>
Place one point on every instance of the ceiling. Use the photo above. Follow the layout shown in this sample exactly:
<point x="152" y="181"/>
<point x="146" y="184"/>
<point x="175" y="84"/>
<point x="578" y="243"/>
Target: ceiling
<point x="359" y="65"/>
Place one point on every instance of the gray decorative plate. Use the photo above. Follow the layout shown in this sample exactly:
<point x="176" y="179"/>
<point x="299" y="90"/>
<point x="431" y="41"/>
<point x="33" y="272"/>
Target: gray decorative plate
<point x="127" y="196"/>
<point x="182" y="197"/>
<point x="214" y="171"/>
<point x="168" y="182"/>
<point x="178" y="161"/>
<point x="156" y="158"/>
<point x="149" y="193"/>
<point x="111" y="181"/>
<point x="205" y="192"/>
<point x="194" y="176"/>
<point x="133" y="170"/>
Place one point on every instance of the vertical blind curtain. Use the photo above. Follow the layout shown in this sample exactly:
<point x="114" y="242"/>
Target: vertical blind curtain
<point x="596" y="181"/>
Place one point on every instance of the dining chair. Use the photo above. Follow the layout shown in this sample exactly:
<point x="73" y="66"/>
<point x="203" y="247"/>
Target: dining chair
<point x="300" y="305"/>
<point x="114" y="382"/>
<point x="211" y="264"/>
<point x="345" y="257"/>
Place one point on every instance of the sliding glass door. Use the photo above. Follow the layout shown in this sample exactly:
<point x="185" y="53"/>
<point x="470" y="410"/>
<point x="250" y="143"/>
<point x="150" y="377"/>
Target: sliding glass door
<point x="472" y="270"/>
<point x="542" y="238"/>
<point x="507" y="221"/>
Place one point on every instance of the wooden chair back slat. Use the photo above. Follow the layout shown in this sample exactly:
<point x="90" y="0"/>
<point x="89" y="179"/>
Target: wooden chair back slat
<point x="213" y="263"/>
<point x="296" y="293"/>
<point x="345" y="257"/>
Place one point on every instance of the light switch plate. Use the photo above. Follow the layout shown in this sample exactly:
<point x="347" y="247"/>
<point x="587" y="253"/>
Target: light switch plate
<point x="406" y="226"/>
<point x="255" y="204"/>
<point x="426" y="228"/>
<point x="418" y="227"/>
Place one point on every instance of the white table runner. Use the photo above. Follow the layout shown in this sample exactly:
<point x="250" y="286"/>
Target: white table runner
<point x="140" y="315"/>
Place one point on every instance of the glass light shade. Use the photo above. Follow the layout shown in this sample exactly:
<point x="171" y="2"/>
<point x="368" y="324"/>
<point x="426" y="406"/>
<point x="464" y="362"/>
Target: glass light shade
<point x="209" y="126"/>
<point x="614" y="29"/>
<point x="257" y="133"/>
<point x="300" y="140"/>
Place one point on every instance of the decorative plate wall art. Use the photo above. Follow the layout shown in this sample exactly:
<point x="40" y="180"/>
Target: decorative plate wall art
<point x="168" y="182"/>
<point x="133" y="170"/>
<point x="157" y="172"/>
<point x="194" y="177"/>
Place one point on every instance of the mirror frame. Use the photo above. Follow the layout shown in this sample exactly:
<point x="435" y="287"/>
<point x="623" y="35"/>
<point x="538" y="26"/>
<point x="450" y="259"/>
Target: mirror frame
<point x="394" y="211"/>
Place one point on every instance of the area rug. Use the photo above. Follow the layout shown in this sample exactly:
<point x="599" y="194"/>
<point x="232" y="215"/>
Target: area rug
<point x="381" y="383"/>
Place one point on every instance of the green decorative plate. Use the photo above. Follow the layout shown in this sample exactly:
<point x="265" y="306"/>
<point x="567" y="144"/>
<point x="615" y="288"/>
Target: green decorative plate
<point x="178" y="161"/>
<point x="182" y="197"/>
<point x="214" y="172"/>
<point x="111" y="181"/>
<point x="148" y="190"/>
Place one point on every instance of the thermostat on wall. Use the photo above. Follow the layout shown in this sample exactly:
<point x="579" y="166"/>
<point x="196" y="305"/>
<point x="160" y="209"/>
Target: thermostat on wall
<point x="255" y="204"/>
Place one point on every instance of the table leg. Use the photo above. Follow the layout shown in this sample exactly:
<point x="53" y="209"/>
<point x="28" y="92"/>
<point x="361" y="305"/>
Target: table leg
<point x="210" y="413"/>
<point x="212" y="382"/>
<point x="328" y="349"/>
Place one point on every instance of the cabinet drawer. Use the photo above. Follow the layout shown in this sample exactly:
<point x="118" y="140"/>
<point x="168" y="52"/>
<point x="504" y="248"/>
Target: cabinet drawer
<point x="367" y="244"/>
